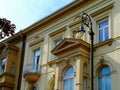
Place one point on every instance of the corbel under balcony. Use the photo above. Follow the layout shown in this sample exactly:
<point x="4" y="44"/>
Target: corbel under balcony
<point x="31" y="74"/>
<point x="7" y="80"/>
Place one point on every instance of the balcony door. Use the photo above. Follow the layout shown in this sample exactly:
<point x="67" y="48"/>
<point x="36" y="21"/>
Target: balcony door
<point x="36" y="57"/>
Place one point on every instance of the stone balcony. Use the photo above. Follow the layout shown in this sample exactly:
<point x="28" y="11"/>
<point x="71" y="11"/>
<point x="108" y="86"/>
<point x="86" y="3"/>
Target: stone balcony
<point x="7" y="80"/>
<point x="31" y="74"/>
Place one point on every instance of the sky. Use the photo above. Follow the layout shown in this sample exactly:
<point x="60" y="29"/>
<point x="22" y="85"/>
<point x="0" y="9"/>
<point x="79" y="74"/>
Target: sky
<point x="24" y="13"/>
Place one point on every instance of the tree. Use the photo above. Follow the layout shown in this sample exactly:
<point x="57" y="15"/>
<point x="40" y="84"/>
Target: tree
<point x="6" y="28"/>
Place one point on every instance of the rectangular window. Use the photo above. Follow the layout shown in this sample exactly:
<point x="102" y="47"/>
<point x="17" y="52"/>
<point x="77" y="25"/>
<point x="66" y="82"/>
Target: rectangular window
<point x="2" y="65"/>
<point x="103" y="29"/>
<point x="56" y="42"/>
<point x="84" y="83"/>
<point x="36" y="57"/>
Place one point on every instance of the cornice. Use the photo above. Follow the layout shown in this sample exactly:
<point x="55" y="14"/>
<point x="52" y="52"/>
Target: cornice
<point x="70" y="44"/>
<point x="102" y="10"/>
<point x="13" y="39"/>
<point x="69" y="8"/>
<point x="13" y="48"/>
<point x="75" y="21"/>
<point x="36" y="41"/>
<point x="56" y="15"/>
<point x="107" y="42"/>
<point x="57" y="32"/>
<point x="66" y="60"/>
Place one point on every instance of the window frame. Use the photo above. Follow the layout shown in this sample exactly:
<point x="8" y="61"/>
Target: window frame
<point x="3" y="65"/>
<point x="103" y="30"/>
<point x="31" y="53"/>
<point x="68" y="77"/>
<point x="103" y="76"/>
<point x="38" y="59"/>
<point x="99" y="17"/>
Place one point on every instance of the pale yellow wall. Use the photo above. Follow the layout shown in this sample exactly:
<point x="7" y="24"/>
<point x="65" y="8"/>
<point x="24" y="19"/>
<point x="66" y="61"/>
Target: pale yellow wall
<point x="109" y="52"/>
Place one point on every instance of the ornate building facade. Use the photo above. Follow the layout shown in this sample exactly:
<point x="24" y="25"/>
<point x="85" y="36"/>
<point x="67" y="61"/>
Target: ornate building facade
<point x="55" y="59"/>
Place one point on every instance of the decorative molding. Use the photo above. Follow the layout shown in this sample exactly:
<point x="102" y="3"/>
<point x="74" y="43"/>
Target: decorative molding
<point x="36" y="41"/>
<point x="68" y="60"/>
<point x="57" y="32"/>
<point x="76" y="20"/>
<point x="102" y="59"/>
<point x="51" y="63"/>
<point x="79" y="84"/>
<point x="6" y="51"/>
<point x="70" y="44"/>
<point x="107" y="42"/>
<point x="102" y="10"/>
<point x="65" y="60"/>
<point x="57" y="15"/>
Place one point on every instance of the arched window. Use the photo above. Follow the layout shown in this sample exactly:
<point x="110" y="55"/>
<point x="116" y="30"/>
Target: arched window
<point x="68" y="79"/>
<point x="104" y="80"/>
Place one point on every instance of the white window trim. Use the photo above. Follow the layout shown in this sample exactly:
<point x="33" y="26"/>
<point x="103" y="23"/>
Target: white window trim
<point x="31" y="52"/>
<point x="107" y="14"/>
<point x="103" y="28"/>
<point x="33" y="58"/>
<point x="67" y="78"/>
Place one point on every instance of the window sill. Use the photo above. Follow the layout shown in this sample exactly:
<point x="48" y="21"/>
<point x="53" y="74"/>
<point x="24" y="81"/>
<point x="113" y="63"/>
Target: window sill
<point x="107" y="42"/>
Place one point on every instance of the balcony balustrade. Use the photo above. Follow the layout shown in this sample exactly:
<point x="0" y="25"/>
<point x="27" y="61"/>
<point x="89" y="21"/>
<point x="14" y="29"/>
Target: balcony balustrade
<point x="31" y="73"/>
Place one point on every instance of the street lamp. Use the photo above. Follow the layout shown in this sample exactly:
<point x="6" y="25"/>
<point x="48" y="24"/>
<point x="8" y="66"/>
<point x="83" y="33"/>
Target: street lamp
<point x="86" y="20"/>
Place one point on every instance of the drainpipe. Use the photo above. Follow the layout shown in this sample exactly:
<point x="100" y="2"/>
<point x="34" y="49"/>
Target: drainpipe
<point x="21" y="62"/>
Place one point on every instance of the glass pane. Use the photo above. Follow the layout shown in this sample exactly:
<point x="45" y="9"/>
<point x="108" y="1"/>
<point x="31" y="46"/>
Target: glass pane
<point x="36" y="60"/>
<point x="106" y="33"/>
<point x="103" y="23"/>
<point x="104" y="70"/>
<point x="72" y="84"/>
<point x="108" y="87"/>
<point x="69" y="72"/>
<point x="104" y="82"/>
<point x="68" y="79"/>
<point x="66" y="85"/>
<point x="58" y="41"/>
<point x="99" y="83"/>
<point x="103" y="30"/>
<point x="37" y="52"/>
<point x="2" y="65"/>
<point x="3" y="61"/>
<point x="100" y="35"/>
